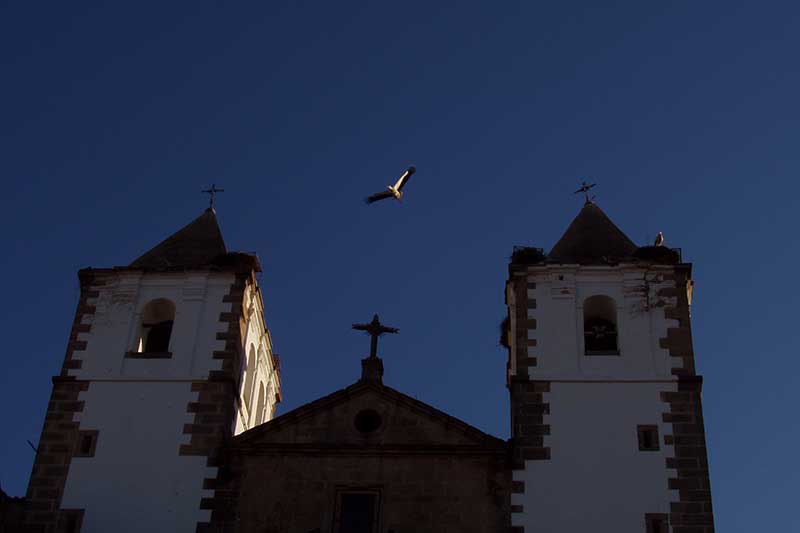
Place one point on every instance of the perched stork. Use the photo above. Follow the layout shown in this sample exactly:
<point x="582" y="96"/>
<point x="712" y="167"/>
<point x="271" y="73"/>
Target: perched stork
<point x="393" y="191"/>
<point x="659" y="239"/>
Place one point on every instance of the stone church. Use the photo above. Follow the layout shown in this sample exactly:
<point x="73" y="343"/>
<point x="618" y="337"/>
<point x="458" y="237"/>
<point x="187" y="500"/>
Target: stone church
<point x="163" y="415"/>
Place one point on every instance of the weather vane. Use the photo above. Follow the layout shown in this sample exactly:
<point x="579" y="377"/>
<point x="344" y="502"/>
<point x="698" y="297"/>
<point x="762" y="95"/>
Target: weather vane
<point x="375" y="330"/>
<point x="211" y="192"/>
<point x="585" y="190"/>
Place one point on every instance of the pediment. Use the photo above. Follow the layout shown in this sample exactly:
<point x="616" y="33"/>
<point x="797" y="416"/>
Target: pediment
<point x="330" y="423"/>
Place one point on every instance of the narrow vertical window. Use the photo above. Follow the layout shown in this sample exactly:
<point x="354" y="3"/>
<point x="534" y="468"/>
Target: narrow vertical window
<point x="600" y="326"/>
<point x="250" y="374"/>
<point x="260" y="404"/>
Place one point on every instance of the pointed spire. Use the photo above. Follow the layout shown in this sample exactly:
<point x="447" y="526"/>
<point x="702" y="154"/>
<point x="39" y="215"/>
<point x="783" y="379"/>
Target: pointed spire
<point x="592" y="238"/>
<point x="196" y="244"/>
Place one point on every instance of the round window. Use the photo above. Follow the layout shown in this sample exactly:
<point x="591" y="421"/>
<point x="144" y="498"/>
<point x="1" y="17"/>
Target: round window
<point x="367" y="421"/>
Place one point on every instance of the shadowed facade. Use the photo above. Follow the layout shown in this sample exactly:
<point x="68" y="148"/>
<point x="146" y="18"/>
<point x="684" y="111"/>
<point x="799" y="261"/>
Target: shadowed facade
<point x="162" y="417"/>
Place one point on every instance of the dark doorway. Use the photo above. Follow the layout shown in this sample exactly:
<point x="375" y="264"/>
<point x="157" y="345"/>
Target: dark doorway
<point x="358" y="512"/>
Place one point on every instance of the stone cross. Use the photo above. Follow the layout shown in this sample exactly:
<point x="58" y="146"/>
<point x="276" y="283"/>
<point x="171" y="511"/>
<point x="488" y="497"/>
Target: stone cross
<point x="375" y="330"/>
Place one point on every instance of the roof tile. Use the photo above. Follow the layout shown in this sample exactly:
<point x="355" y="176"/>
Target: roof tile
<point x="196" y="244"/>
<point x="592" y="238"/>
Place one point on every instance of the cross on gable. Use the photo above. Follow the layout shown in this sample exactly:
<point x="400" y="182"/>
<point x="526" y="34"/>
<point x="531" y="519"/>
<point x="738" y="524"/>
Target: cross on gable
<point x="375" y="329"/>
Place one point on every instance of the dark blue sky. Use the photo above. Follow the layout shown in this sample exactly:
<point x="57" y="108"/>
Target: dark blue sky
<point x="113" y="116"/>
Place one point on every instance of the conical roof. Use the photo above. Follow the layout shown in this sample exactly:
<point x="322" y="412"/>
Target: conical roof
<point x="592" y="238"/>
<point x="196" y="244"/>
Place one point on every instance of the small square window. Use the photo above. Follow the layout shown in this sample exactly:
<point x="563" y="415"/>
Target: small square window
<point x="656" y="523"/>
<point x="87" y="442"/>
<point x="648" y="438"/>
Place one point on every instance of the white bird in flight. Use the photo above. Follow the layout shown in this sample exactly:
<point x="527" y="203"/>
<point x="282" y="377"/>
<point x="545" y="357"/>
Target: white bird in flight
<point x="393" y="191"/>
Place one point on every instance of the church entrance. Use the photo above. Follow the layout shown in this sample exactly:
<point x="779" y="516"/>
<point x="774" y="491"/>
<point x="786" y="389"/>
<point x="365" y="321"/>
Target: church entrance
<point x="357" y="512"/>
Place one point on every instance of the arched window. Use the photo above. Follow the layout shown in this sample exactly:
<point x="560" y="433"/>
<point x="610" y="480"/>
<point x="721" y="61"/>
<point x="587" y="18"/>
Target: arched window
<point x="248" y="381"/>
<point x="272" y="403"/>
<point x="260" y="404"/>
<point x="600" y="326"/>
<point x="156" y="328"/>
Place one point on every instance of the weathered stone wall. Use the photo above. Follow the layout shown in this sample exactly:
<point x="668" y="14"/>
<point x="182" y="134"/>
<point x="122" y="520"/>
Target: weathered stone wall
<point x="691" y="511"/>
<point x="436" y="493"/>
<point x="434" y="473"/>
<point x="60" y="431"/>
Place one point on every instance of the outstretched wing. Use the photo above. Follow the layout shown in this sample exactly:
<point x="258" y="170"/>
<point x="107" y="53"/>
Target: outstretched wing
<point x="379" y="196"/>
<point x="401" y="182"/>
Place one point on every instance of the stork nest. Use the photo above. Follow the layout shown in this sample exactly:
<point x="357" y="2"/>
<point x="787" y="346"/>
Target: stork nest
<point x="526" y="255"/>
<point x="505" y="327"/>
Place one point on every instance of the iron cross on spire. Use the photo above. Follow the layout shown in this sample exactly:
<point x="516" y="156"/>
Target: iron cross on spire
<point x="585" y="190"/>
<point x="375" y="330"/>
<point x="211" y="192"/>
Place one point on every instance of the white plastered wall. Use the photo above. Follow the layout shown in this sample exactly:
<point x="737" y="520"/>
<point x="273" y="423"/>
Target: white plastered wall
<point x="560" y="293"/>
<point x="116" y="325"/>
<point x="137" y="480"/>
<point x="597" y="479"/>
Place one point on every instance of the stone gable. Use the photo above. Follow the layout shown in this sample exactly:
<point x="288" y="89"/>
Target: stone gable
<point x="428" y="471"/>
<point x="331" y="420"/>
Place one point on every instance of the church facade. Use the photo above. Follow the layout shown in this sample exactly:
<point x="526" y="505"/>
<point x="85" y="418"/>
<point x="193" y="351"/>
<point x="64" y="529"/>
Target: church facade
<point x="163" y="415"/>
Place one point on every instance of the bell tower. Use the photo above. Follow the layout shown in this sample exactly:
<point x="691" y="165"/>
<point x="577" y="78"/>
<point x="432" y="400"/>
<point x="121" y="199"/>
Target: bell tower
<point x="606" y="416"/>
<point x="167" y="358"/>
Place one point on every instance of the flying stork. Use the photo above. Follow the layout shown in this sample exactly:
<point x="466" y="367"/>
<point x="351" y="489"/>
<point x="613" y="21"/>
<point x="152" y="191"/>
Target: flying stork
<point x="393" y="191"/>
